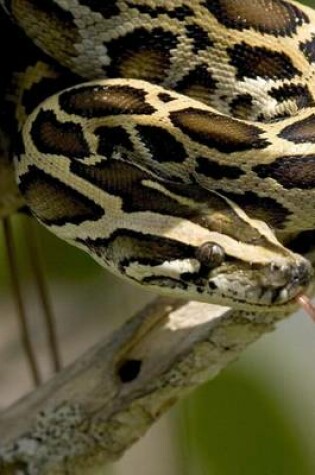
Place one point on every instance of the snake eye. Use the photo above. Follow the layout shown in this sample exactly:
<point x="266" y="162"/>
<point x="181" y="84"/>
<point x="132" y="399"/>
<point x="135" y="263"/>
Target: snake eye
<point x="210" y="254"/>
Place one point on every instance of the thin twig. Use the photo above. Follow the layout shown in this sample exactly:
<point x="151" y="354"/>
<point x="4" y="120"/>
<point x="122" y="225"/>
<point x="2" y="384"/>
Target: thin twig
<point x="18" y="299"/>
<point x="33" y="247"/>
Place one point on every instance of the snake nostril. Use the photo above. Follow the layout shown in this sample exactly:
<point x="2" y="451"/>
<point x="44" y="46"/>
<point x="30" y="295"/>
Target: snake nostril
<point x="302" y="274"/>
<point x="296" y="278"/>
<point x="281" y="272"/>
<point x="298" y="274"/>
<point x="290" y="274"/>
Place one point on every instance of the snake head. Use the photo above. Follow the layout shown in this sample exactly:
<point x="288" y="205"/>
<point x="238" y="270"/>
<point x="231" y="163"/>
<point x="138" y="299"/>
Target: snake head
<point x="219" y="255"/>
<point x="271" y="284"/>
<point x="249" y="281"/>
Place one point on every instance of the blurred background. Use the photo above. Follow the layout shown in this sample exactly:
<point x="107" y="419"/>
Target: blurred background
<point x="255" y="418"/>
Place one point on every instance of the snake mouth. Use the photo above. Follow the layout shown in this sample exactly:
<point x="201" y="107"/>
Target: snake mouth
<point x="298" y="281"/>
<point x="285" y="296"/>
<point x="275" y="288"/>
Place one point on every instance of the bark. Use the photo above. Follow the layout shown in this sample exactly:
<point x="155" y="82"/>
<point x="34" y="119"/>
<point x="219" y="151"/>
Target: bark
<point x="92" y="411"/>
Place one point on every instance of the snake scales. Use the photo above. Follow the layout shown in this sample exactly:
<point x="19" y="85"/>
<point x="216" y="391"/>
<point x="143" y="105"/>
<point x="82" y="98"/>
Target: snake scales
<point x="177" y="168"/>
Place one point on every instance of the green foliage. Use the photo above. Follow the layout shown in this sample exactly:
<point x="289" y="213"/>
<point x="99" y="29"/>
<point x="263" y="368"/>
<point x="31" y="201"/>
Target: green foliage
<point x="234" y="426"/>
<point x="62" y="261"/>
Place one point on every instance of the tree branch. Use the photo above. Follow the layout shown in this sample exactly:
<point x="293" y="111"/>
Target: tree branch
<point x="92" y="411"/>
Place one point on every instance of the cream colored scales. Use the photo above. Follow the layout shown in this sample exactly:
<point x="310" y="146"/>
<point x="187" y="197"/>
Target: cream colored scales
<point x="176" y="169"/>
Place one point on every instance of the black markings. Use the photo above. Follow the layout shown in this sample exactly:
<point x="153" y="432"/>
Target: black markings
<point x="165" y="97"/>
<point x="308" y="49"/>
<point x="163" y="146"/>
<point x="133" y="246"/>
<point x="241" y="106"/>
<point x="297" y="92"/>
<point x="129" y="370"/>
<point x="291" y="172"/>
<point x="180" y="13"/>
<point x="217" y="131"/>
<point x="257" y="61"/>
<point x="199" y="36"/>
<point x="301" y="131"/>
<point x="197" y="83"/>
<point x="59" y="138"/>
<point x="105" y="8"/>
<point x="55" y="203"/>
<point x="54" y="11"/>
<point x="213" y="169"/>
<point x="125" y="180"/>
<point x="166" y="282"/>
<point x="146" y="250"/>
<point x="101" y="101"/>
<point x="303" y="243"/>
<point x="260" y="207"/>
<point x="212" y="285"/>
<point x="112" y="139"/>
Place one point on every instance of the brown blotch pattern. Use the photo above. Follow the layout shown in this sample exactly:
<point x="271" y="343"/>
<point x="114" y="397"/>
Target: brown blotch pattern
<point x="257" y="61"/>
<point x="125" y="180"/>
<point x="217" y="131"/>
<point x="241" y="106"/>
<point x="275" y="17"/>
<point x="291" y="172"/>
<point x="161" y="144"/>
<point x="51" y="26"/>
<point x="144" y="64"/>
<point x="260" y="207"/>
<point x="198" y="84"/>
<point x="111" y="139"/>
<point x="301" y="131"/>
<point x="141" y="54"/>
<point x="101" y="101"/>
<point x="59" y="138"/>
<point x="217" y="171"/>
<point x="55" y="203"/>
<point x="154" y="250"/>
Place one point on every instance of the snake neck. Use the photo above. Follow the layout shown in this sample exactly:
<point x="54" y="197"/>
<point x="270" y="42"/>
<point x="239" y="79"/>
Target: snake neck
<point x="268" y="169"/>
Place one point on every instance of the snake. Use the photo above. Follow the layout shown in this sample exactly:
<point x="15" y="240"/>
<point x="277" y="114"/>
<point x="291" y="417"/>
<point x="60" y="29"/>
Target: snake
<point x="174" y="141"/>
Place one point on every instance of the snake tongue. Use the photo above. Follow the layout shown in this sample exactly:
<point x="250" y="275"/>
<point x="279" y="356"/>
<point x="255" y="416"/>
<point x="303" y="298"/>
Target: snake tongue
<point x="307" y="305"/>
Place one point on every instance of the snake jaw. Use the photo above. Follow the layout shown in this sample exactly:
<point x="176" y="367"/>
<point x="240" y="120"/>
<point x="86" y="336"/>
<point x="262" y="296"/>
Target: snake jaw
<point x="278" y="285"/>
<point x="298" y="281"/>
<point x="290" y="276"/>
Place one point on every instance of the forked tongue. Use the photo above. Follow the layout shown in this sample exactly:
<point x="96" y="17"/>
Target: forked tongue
<point x="307" y="305"/>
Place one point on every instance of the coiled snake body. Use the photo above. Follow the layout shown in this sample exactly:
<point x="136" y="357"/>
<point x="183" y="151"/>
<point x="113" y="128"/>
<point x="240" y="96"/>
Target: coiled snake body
<point x="195" y="146"/>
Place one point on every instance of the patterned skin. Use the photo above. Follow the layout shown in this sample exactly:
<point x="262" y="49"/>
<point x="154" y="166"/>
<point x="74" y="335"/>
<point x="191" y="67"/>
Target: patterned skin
<point x="130" y="171"/>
